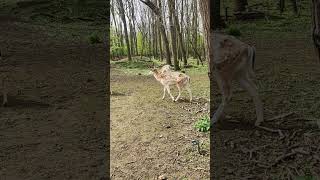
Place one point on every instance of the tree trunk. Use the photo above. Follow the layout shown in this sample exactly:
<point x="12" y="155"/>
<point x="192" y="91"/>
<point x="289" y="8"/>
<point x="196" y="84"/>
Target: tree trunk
<point x="281" y="6"/>
<point x="217" y="20"/>
<point x="123" y="17"/>
<point x="239" y="5"/>
<point x="316" y="26"/>
<point x="173" y="34"/>
<point x="157" y="11"/>
<point x="295" y="6"/>
<point x="194" y="28"/>
<point x="133" y="18"/>
<point x="180" y="39"/>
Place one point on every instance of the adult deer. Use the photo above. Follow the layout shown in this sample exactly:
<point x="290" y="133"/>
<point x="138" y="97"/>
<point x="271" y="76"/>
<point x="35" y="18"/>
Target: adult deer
<point x="233" y="60"/>
<point x="168" y="77"/>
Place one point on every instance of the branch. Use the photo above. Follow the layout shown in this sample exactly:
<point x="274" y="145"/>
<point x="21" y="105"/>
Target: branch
<point x="152" y="6"/>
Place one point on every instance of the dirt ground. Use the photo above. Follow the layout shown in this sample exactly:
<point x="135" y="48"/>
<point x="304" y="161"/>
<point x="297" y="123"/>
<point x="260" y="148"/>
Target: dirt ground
<point x="55" y="124"/>
<point x="143" y="147"/>
<point x="151" y="137"/>
<point x="287" y="77"/>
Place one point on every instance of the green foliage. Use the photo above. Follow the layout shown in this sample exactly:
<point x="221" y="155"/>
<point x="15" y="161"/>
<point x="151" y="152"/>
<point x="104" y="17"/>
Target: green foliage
<point x="234" y="31"/>
<point x="203" y="124"/>
<point x="94" y="38"/>
<point x="139" y="42"/>
<point x="116" y="49"/>
<point x="133" y="64"/>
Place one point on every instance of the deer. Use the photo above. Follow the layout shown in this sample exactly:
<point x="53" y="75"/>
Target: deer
<point x="4" y="86"/>
<point x="233" y="60"/>
<point x="168" y="77"/>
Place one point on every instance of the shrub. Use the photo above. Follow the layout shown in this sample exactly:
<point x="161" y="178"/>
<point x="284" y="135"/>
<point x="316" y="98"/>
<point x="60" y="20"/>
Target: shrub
<point x="203" y="124"/>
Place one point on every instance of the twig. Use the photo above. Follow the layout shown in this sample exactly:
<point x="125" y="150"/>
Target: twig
<point x="294" y="152"/>
<point x="316" y="157"/>
<point x="304" y="119"/>
<point x="280" y="116"/>
<point x="292" y="136"/>
<point x="272" y="130"/>
<point x="251" y="151"/>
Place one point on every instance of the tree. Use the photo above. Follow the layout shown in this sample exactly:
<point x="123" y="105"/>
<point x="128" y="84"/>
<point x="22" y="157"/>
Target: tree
<point x="281" y="6"/>
<point x="123" y="17"/>
<point x="239" y="5"/>
<point x="157" y="11"/>
<point x="173" y="34"/>
<point x="316" y="26"/>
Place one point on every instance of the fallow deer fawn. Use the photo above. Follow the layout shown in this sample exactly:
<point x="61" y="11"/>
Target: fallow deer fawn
<point x="233" y="60"/>
<point x="168" y="77"/>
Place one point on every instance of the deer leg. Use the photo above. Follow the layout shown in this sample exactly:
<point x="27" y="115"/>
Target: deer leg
<point x="225" y="88"/>
<point x="189" y="91"/>
<point x="4" y="94"/>
<point x="250" y="87"/>
<point x="179" y="89"/>
<point x="164" y="92"/>
<point x="168" y="89"/>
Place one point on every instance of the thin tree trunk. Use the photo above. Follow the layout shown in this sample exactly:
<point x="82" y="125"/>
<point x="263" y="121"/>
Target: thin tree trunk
<point x="195" y="29"/>
<point x="281" y="6"/>
<point x="180" y="39"/>
<point x="134" y="27"/>
<point x="294" y="6"/>
<point x="157" y="11"/>
<point x="173" y="34"/>
<point x="123" y="17"/>
<point x="239" y="5"/>
<point x="316" y="26"/>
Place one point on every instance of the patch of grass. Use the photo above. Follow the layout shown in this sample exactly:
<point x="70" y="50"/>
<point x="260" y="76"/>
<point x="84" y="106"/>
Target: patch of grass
<point x="203" y="124"/>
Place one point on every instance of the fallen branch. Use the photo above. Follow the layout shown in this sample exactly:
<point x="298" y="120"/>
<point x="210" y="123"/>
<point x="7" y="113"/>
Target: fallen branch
<point x="280" y="116"/>
<point x="272" y="130"/>
<point x="251" y="151"/>
<point x="292" y="136"/>
<point x="294" y="152"/>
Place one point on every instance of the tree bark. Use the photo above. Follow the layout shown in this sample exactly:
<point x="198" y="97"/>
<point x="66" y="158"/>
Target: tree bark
<point x="281" y="6"/>
<point x="171" y="5"/>
<point x="294" y="6"/>
<point x="123" y="17"/>
<point x="316" y="26"/>
<point x="180" y="39"/>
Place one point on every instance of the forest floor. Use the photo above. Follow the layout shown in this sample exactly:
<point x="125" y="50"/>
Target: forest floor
<point x="151" y="137"/>
<point x="56" y="103"/>
<point x="287" y="75"/>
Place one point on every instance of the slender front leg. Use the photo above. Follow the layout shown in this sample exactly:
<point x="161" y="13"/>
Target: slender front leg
<point x="249" y="86"/>
<point x="225" y="88"/>
<point x="189" y="91"/>
<point x="164" y="92"/>
<point x="4" y="93"/>
<point x="168" y="89"/>
<point x="5" y="99"/>
<point x="179" y="89"/>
